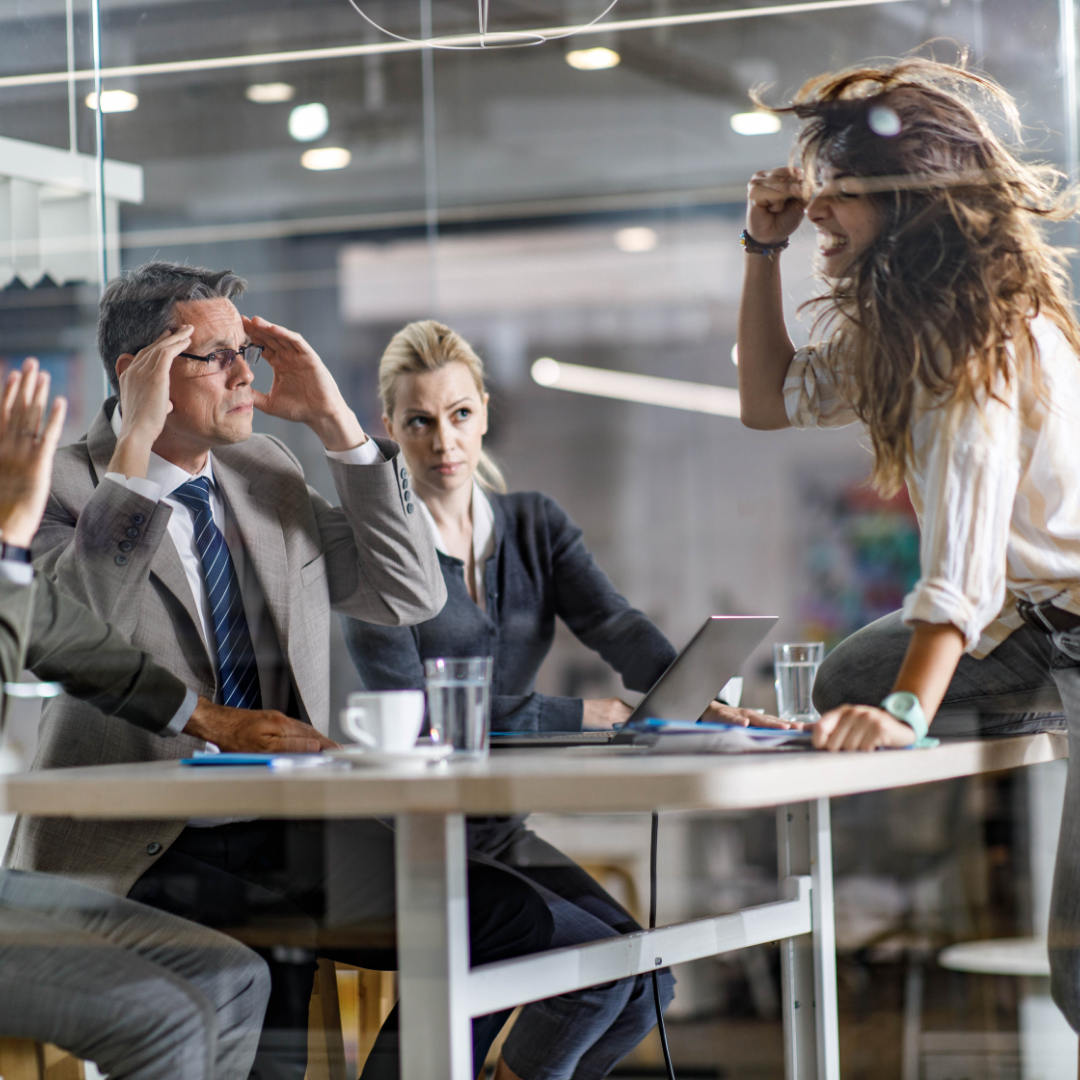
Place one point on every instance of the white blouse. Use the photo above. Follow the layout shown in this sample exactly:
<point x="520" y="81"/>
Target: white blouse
<point x="995" y="485"/>
<point x="483" y="538"/>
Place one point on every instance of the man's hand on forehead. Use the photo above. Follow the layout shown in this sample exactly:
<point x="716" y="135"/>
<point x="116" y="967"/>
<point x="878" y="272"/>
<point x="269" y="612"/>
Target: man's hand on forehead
<point x="303" y="389"/>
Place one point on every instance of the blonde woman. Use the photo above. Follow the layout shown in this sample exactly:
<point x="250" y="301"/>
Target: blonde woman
<point x="512" y="563"/>
<point x="946" y="330"/>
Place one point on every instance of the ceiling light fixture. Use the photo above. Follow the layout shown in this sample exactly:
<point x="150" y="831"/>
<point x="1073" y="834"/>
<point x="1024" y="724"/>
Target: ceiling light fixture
<point x="485" y="38"/>
<point x="646" y="389"/>
<point x="309" y="122"/>
<point x="597" y="59"/>
<point x="324" y="158"/>
<point x="636" y="239"/>
<point x="113" y="101"/>
<point x="755" y="123"/>
<point x="270" y="93"/>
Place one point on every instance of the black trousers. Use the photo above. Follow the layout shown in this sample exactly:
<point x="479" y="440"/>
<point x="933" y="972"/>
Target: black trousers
<point x="304" y="890"/>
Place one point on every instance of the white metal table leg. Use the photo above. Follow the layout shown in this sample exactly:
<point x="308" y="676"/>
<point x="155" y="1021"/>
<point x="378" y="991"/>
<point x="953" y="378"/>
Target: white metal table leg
<point x="433" y="947"/>
<point x="808" y="962"/>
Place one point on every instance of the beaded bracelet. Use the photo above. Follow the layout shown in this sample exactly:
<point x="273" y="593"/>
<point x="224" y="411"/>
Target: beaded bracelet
<point x="755" y="247"/>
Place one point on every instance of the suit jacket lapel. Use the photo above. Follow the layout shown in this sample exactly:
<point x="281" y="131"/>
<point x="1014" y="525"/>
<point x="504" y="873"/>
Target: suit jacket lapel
<point x="165" y="565"/>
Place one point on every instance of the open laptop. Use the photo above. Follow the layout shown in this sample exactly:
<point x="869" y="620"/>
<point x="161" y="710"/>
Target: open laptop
<point x="713" y="655"/>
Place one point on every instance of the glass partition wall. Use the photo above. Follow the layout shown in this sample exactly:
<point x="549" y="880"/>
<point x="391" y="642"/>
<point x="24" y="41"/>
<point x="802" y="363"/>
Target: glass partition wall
<point x="577" y="199"/>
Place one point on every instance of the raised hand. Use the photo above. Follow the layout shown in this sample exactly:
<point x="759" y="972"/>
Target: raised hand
<point x="144" y="400"/>
<point x="256" y="731"/>
<point x="861" y="727"/>
<point x="303" y="389"/>
<point x="27" y="449"/>
<point x="776" y="202"/>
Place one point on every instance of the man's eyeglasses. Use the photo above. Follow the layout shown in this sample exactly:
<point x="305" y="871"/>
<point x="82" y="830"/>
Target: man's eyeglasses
<point x="223" y="359"/>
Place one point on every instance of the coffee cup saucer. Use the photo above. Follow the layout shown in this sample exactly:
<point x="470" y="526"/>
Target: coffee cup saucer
<point x="419" y="756"/>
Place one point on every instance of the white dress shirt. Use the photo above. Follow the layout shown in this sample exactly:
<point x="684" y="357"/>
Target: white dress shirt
<point x="995" y="485"/>
<point x="483" y="538"/>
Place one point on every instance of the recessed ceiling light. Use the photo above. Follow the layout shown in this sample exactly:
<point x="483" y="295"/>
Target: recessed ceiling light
<point x="593" y="59"/>
<point x="637" y="238"/>
<point x="309" y="122"/>
<point x="755" y="123"/>
<point x="324" y="158"/>
<point x="270" y="93"/>
<point x="113" y="101"/>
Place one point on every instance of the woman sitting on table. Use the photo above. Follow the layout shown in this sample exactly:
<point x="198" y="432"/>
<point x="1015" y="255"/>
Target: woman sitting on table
<point x="511" y="564"/>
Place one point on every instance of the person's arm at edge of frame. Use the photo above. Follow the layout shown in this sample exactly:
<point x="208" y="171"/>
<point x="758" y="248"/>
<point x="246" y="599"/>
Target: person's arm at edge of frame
<point x="70" y="645"/>
<point x="775" y="206"/>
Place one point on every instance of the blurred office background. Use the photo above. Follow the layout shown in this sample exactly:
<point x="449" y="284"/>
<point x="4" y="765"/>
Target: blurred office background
<point x="581" y="200"/>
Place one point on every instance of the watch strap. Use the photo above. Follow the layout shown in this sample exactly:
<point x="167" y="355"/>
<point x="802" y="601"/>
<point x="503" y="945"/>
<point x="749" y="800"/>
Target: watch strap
<point x="905" y="706"/>
<point x="14" y="553"/>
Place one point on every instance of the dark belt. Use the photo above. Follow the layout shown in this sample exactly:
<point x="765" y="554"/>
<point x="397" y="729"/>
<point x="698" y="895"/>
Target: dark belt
<point x="1046" y="617"/>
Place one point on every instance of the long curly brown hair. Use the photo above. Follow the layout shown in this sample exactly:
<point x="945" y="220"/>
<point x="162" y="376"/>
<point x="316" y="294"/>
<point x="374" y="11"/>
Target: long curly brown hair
<point x="961" y="263"/>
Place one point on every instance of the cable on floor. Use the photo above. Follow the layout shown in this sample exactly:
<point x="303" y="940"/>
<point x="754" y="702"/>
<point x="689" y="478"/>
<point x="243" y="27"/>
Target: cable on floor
<point x="652" y="926"/>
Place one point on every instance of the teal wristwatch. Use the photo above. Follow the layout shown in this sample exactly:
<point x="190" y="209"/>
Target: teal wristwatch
<point x="905" y="707"/>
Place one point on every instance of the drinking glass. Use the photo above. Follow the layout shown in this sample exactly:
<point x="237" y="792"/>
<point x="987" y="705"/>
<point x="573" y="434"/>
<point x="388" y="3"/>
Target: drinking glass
<point x="796" y="668"/>
<point x="459" y="704"/>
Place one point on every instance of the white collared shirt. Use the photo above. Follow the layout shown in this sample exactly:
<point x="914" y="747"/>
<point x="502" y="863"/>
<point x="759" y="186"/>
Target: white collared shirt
<point x="483" y="538"/>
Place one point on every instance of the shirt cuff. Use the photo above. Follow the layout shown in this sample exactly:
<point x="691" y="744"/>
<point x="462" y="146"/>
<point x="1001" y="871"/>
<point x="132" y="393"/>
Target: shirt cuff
<point x="936" y="600"/>
<point x="18" y="573"/>
<point x="181" y="716"/>
<point x="366" y="453"/>
<point x="139" y="484"/>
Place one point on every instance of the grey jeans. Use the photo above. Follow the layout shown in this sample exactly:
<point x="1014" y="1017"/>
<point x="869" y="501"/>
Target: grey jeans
<point x="1029" y="683"/>
<point x="142" y="994"/>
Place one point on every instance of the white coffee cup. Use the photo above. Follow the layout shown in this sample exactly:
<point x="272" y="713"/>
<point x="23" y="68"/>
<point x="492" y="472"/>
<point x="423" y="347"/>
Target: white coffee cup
<point x="385" y="720"/>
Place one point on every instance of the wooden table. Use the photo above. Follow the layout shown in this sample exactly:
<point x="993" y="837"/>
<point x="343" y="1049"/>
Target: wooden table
<point x="439" y="992"/>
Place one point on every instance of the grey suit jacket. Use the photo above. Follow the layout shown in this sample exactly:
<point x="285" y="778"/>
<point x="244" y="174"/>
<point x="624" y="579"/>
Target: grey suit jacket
<point x="43" y="629"/>
<point x="110" y="548"/>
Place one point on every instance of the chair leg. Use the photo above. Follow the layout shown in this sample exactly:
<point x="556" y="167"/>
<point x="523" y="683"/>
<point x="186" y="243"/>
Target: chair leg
<point x="378" y="993"/>
<point x="21" y="1059"/>
<point x="326" y="1047"/>
<point x="60" y="1065"/>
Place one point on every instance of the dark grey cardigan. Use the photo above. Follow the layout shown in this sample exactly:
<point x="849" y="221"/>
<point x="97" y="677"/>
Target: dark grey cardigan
<point x="540" y="569"/>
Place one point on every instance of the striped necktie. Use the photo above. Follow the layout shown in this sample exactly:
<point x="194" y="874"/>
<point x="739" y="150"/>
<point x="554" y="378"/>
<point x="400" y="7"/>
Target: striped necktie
<point x="238" y="677"/>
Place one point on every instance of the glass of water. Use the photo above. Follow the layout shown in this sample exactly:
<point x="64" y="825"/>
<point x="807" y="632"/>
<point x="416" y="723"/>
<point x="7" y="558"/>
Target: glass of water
<point x="796" y="668"/>
<point x="459" y="704"/>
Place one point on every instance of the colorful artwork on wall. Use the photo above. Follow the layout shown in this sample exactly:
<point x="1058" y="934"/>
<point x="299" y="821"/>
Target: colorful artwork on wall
<point x="859" y="553"/>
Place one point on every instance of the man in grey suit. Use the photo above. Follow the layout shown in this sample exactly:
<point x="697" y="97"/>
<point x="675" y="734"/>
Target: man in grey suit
<point x="143" y="994"/>
<point x="204" y="545"/>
